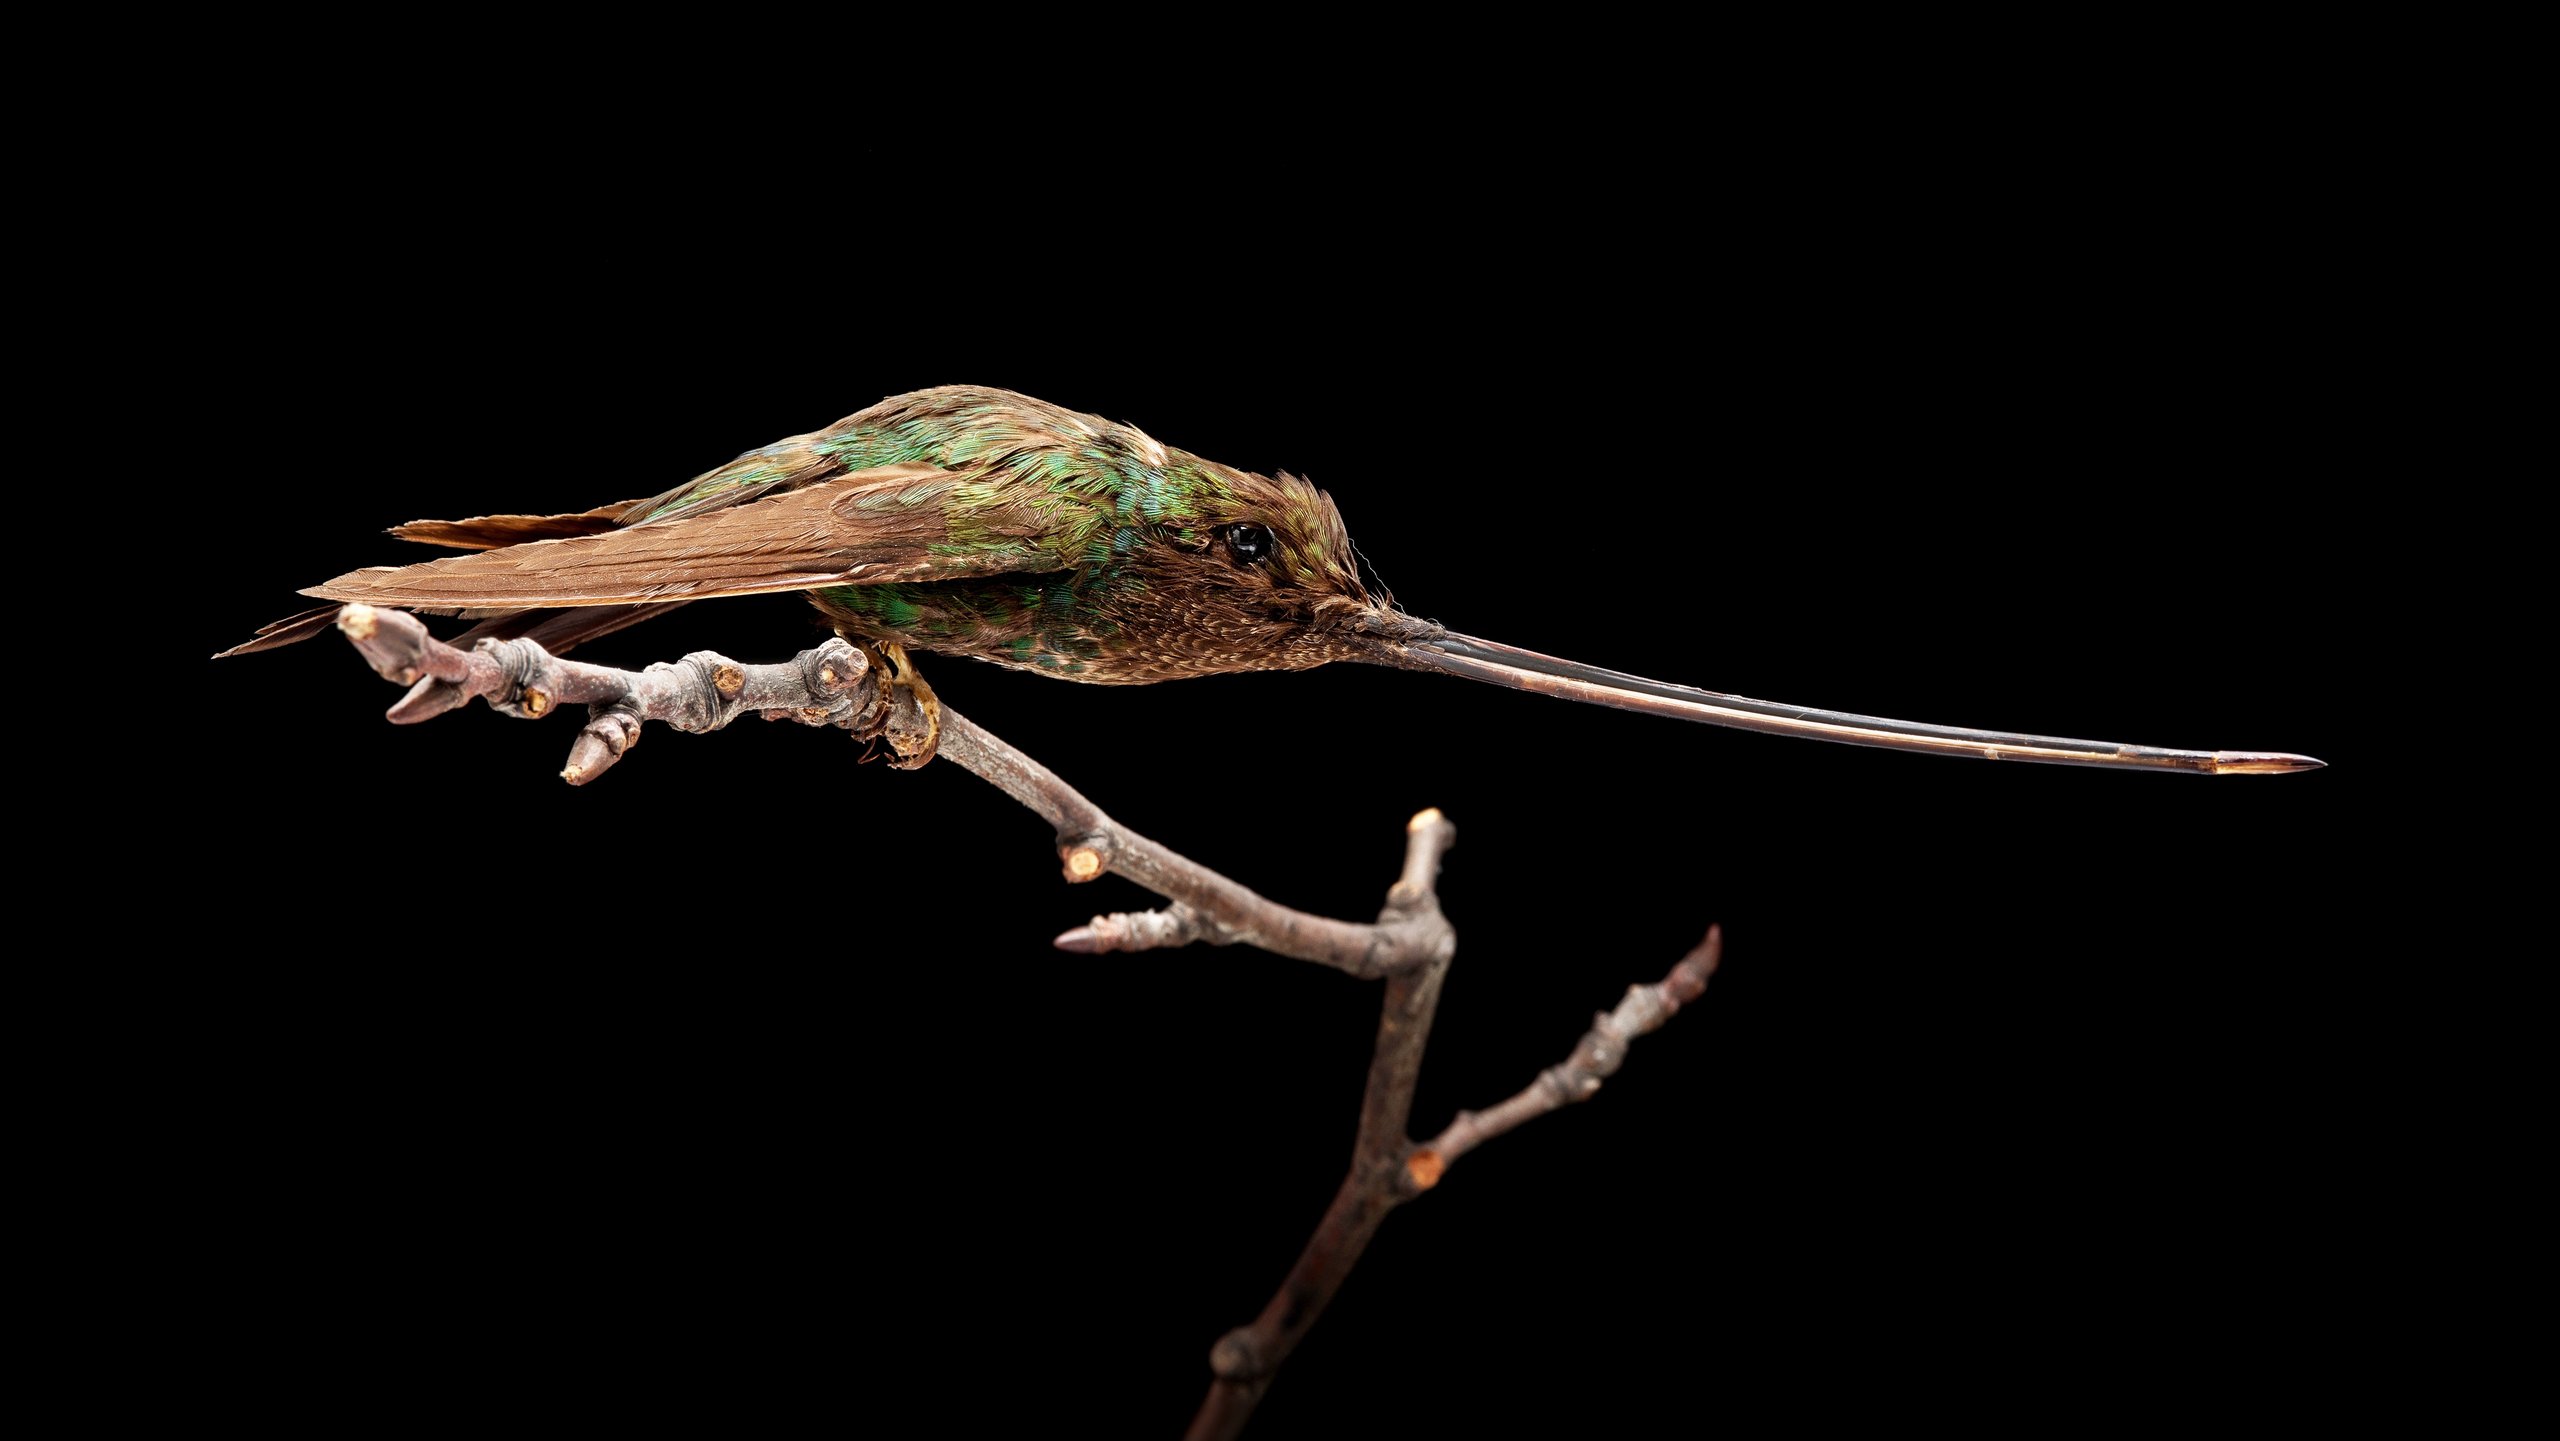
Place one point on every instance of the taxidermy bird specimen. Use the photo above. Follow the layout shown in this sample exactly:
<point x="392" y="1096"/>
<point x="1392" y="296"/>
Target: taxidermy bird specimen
<point x="970" y="521"/>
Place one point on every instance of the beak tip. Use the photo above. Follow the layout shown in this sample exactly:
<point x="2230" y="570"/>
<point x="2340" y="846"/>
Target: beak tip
<point x="2263" y="763"/>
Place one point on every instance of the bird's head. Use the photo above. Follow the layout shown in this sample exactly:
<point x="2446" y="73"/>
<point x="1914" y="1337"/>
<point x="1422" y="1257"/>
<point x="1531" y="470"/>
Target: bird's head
<point x="1257" y="574"/>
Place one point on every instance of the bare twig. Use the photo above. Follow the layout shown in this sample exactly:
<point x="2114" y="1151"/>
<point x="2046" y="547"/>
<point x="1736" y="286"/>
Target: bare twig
<point x="1601" y="1051"/>
<point x="1245" y="1359"/>
<point x="1409" y="945"/>
<point x="1175" y="925"/>
<point x="830" y="685"/>
<point x="1207" y="905"/>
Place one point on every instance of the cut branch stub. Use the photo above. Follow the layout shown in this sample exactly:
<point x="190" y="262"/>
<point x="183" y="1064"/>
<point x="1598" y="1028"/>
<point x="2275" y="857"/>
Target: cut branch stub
<point x="1085" y="857"/>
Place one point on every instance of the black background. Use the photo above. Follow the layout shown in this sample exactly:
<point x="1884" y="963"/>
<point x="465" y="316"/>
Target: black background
<point x="744" y="1085"/>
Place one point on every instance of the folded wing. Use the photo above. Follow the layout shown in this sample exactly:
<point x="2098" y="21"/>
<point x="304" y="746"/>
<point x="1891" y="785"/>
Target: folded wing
<point x="907" y="522"/>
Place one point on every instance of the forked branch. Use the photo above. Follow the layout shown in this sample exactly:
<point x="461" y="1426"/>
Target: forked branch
<point x="1388" y="1170"/>
<point x="1409" y="945"/>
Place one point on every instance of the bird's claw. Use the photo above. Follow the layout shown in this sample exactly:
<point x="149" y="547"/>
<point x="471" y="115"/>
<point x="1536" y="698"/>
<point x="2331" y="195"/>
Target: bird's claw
<point x="913" y="722"/>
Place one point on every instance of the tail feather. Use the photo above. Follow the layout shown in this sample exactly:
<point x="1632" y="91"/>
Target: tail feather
<point x="300" y="626"/>
<point x="557" y="631"/>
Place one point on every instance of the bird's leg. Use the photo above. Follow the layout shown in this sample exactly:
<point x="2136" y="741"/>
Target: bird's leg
<point x="912" y="747"/>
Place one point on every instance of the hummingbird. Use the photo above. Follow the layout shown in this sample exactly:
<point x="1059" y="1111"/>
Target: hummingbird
<point x="967" y="520"/>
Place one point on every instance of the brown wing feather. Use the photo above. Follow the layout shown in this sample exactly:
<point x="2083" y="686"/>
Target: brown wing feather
<point x="791" y="462"/>
<point x="489" y="532"/>
<point x="883" y="524"/>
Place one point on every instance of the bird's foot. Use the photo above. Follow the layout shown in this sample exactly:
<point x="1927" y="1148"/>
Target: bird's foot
<point x="913" y="724"/>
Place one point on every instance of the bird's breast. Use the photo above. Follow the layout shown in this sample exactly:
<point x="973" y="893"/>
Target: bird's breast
<point x="1073" y="627"/>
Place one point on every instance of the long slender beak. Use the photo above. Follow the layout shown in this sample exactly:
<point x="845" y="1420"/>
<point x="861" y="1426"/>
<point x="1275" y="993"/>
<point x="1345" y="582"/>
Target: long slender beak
<point x="1413" y="645"/>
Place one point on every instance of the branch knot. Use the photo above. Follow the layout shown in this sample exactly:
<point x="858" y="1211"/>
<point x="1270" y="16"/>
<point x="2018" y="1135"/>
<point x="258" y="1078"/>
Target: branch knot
<point x="1234" y="1357"/>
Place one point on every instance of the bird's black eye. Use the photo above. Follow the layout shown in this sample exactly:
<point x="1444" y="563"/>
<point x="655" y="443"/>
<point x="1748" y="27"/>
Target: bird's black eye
<point x="1247" y="542"/>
